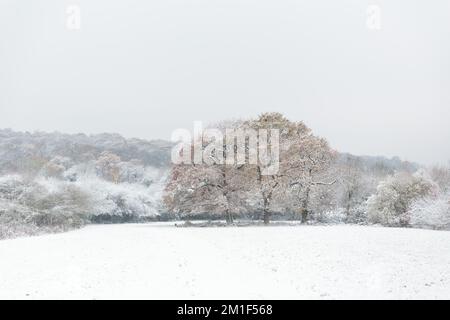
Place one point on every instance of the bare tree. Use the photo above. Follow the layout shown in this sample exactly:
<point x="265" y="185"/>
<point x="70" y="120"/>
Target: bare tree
<point x="303" y="161"/>
<point x="310" y="159"/>
<point x="213" y="187"/>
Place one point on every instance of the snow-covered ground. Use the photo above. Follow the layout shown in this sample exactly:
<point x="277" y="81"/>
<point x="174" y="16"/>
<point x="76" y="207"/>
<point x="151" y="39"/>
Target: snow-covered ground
<point x="159" y="261"/>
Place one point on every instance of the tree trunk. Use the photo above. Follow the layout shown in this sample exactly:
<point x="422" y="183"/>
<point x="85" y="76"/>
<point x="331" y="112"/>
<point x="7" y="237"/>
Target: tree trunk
<point x="228" y="214"/>
<point x="305" y="204"/>
<point x="266" y="217"/>
<point x="348" y="206"/>
<point x="229" y="217"/>
<point x="266" y="212"/>
<point x="304" y="215"/>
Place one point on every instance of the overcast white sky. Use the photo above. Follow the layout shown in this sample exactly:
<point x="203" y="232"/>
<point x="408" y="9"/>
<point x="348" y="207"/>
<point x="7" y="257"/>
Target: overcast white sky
<point x="145" y="68"/>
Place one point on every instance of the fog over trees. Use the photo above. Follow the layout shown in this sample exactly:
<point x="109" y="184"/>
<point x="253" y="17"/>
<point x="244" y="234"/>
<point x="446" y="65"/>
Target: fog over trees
<point x="55" y="182"/>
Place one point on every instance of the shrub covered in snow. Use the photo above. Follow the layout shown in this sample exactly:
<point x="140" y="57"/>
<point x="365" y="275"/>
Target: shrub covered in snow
<point x="431" y="212"/>
<point x="27" y="206"/>
<point x="16" y="220"/>
<point x="390" y="204"/>
<point x="356" y="215"/>
<point x="119" y="202"/>
<point x="337" y="216"/>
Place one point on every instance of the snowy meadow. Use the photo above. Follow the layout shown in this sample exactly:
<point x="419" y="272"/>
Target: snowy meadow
<point x="159" y="261"/>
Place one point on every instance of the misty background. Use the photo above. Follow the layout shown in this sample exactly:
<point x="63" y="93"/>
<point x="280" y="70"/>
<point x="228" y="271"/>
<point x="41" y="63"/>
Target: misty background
<point x="144" y="69"/>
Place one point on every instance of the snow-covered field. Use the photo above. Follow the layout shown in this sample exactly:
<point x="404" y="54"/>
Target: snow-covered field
<point x="159" y="261"/>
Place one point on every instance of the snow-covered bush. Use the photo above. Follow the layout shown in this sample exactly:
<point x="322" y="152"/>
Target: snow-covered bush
<point x="16" y="220"/>
<point x="32" y="206"/>
<point x="337" y="216"/>
<point x="119" y="202"/>
<point x="57" y="203"/>
<point x="431" y="212"/>
<point x="11" y="186"/>
<point x="357" y="214"/>
<point x="390" y="204"/>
